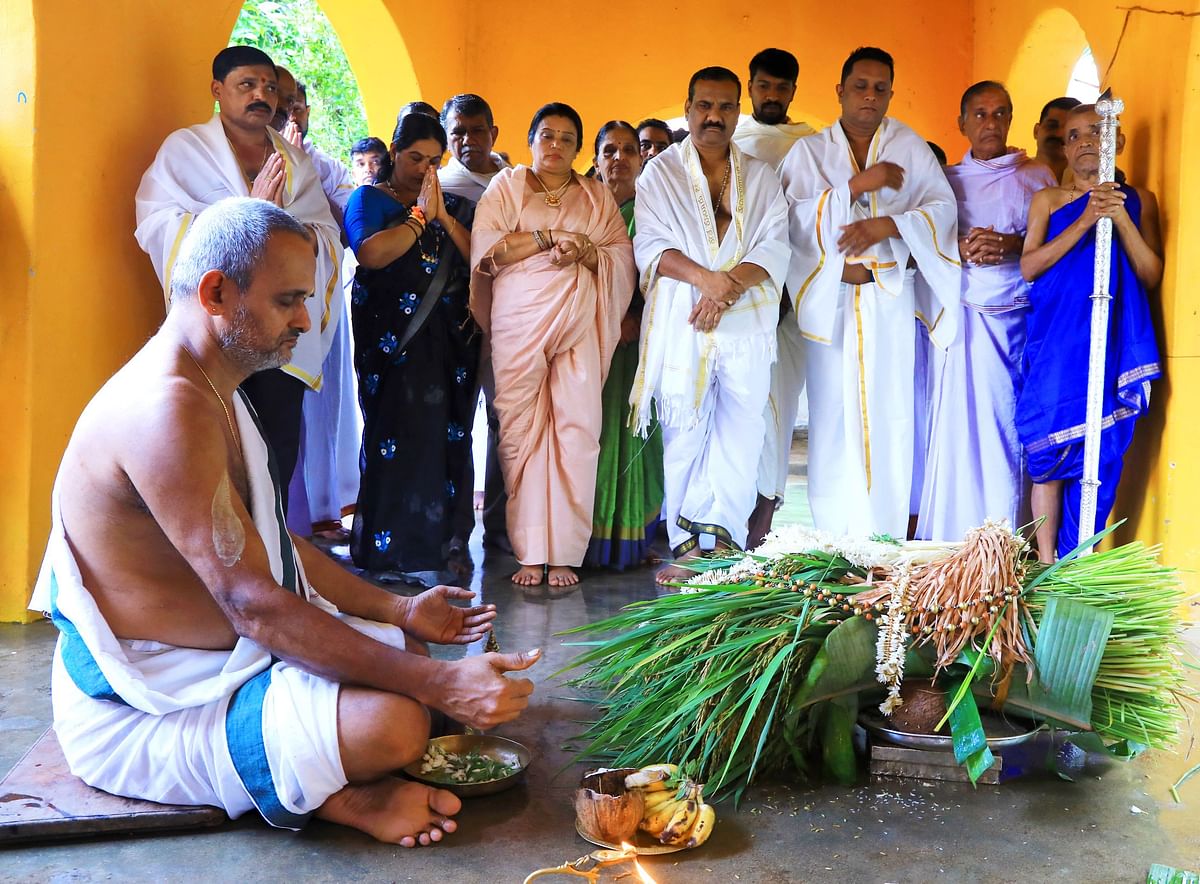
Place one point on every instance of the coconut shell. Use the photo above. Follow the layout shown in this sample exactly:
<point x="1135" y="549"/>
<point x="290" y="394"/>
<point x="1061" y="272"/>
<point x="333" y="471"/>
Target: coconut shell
<point x="924" y="706"/>
<point x="605" y="810"/>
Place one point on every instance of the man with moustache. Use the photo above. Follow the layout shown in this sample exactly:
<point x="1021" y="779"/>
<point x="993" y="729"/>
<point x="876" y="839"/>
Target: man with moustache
<point x="712" y="250"/>
<point x="1059" y="259"/>
<point x="868" y="206"/>
<point x="974" y="469"/>
<point x="237" y="153"/>
<point x="654" y="136"/>
<point x="768" y="134"/>
<point x="471" y="134"/>
<point x="1048" y="133"/>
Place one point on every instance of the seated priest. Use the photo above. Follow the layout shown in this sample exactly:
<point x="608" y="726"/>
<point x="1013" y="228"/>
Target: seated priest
<point x="206" y="656"/>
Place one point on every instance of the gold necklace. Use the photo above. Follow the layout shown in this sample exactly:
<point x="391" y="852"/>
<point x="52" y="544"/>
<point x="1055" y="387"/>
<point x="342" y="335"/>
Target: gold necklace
<point x="228" y="418"/>
<point x="554" y="197"/>
<point x="724" y="184"/>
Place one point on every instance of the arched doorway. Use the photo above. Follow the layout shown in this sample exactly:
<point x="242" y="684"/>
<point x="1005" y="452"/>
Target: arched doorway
<point x="351" y="56"/>
<point x="1043" y="68"/>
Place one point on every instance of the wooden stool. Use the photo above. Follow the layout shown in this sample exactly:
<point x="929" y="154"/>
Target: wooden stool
<point x="40" y="799"/>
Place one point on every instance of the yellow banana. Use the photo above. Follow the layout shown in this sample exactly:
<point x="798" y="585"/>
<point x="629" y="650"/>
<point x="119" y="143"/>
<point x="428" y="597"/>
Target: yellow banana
<point x="656" y="821"/>
<point x="681" y="821"/>
<point x="651" y="775"/>
<point x="702" y="828"/>
<point x="653" y="801"/>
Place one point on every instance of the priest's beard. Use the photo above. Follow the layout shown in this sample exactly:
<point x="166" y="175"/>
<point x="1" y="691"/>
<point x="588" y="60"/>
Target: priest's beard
<point x="241" y="342"/>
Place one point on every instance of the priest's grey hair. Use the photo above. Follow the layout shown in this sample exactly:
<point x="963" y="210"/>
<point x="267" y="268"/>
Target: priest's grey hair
<point x="230" y="236"/>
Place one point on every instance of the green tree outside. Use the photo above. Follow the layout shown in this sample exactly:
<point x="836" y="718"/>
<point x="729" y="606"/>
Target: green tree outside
<point x="297" y="35"/>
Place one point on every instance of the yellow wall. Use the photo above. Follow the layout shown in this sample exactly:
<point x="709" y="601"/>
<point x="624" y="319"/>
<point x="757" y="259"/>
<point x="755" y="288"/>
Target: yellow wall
<point x="633" y="59"/>
<point x="107" y="82"/>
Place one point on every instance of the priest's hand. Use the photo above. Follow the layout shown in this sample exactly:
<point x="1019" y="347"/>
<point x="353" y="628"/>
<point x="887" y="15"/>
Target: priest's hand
<point x="268" y="184"/>
<point x="476" y="691"/>
<point x="858" y="236"/>
<point x="875" y="178"/>
<point x="431" y="617"/>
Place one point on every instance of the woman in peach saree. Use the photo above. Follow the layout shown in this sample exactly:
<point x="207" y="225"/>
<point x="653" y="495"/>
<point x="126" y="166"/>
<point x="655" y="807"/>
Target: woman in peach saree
<point x="552" y="276"/>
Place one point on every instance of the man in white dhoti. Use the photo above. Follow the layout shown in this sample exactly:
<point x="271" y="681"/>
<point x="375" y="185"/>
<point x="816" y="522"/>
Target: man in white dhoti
<point x="974" y="468"/>
<point x="197" y="663"/>
<point x="236" y="153"/>
<point x="768" y="134"/>
<point x="471" y="134"/>
<point x="712" y="250"/>
<point x="868" y="205"/>
<point x="325" y="482"/>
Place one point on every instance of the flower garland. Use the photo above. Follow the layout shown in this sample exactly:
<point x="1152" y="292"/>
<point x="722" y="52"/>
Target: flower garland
<point x="890" y="643"/>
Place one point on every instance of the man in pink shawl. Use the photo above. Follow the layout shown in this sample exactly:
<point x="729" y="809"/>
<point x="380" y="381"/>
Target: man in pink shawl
<point x="552" y="276"/>
<point x="974" y="469"/>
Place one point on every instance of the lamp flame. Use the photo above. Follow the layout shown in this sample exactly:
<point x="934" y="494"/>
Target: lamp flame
<point x="643" y="876"/>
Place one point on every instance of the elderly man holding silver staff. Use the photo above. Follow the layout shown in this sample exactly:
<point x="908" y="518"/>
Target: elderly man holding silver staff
<point x="1059" y="258"/>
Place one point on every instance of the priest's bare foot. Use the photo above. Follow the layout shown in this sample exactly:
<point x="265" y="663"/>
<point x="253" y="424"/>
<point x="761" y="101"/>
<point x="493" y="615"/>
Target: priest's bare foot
<point x="529" y="575"/>
<point x="394" y="811"/>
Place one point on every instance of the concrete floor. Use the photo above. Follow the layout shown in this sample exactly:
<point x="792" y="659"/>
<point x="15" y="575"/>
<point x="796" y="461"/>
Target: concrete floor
<point x="1033" y="830"/>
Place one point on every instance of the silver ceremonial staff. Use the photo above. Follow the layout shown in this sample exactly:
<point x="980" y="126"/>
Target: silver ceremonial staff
<point x="1109" y="109"/>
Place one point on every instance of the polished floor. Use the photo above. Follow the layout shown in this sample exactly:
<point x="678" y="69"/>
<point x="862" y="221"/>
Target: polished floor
<point x="1109" y="827"/>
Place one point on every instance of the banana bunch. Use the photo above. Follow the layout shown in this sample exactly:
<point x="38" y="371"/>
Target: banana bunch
<point x="675" y="810"/>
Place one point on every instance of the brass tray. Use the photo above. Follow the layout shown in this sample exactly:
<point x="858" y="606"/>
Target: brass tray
<point x="642" y="843"/>
<point x="494" y="747"/>
<point x="1020" y="730"/>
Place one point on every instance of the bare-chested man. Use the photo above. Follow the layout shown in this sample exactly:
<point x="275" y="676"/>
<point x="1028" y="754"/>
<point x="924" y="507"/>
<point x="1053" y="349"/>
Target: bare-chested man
<point x="196" y="662"/>
<point x="1059" y="259"/>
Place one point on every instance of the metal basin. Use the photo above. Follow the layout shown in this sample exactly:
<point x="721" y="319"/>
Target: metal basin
<point x="498" y="748"/>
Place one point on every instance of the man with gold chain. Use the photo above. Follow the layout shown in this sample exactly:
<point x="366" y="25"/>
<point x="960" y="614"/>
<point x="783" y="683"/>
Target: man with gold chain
<point x="868" y="206"/>
<point x="237" y="153"/>
<point x="712" y="250"/>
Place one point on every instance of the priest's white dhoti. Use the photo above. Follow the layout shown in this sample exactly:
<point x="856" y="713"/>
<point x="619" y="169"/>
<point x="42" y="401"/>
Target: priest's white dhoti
<point x="232" y="728"/>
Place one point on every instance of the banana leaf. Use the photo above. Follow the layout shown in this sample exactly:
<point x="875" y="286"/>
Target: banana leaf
<point x="1160" y="874"/>
<point x="966" y="730"/>
<point x="846" y="661"/>
<point x="1070" y="645"/>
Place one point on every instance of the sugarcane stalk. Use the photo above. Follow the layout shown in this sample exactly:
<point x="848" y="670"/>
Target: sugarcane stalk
<point x="1108" y="108"/>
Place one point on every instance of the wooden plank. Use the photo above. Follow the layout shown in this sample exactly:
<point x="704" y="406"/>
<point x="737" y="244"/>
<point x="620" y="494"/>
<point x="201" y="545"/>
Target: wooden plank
<point x="40" y="799"/>
<point x="926" y="764"/>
